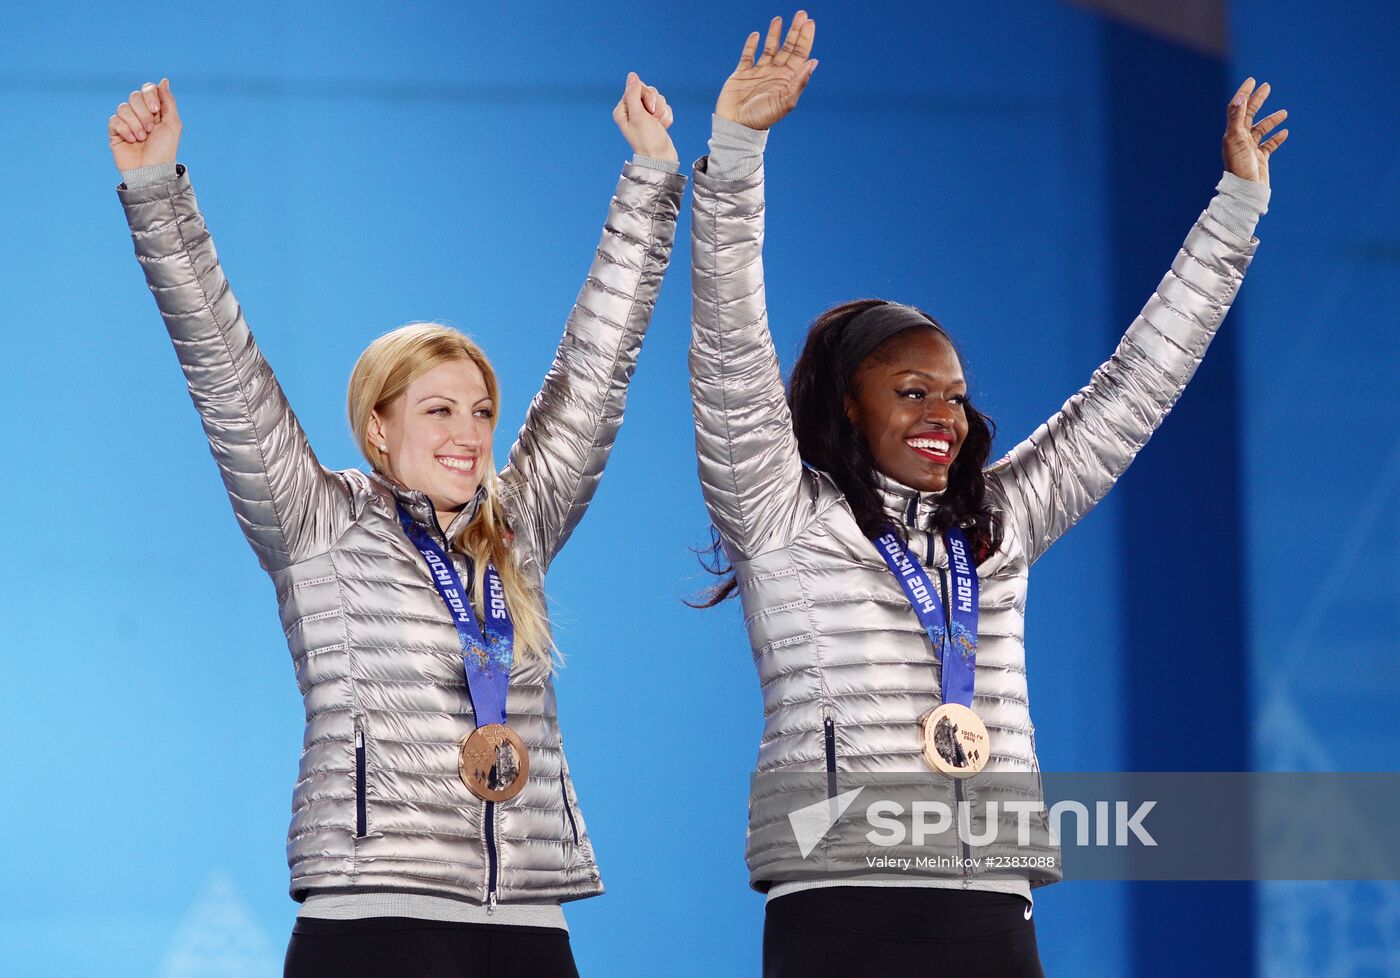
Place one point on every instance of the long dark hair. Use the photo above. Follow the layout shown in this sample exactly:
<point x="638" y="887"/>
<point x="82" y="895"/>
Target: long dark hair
<point x="828" y="441"/>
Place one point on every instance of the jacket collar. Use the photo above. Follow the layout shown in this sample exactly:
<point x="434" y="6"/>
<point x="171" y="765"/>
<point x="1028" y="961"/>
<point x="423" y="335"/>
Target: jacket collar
<point x="908" y="507"/>
<point x="915" y="509"/>
<point x="420" y="507"/>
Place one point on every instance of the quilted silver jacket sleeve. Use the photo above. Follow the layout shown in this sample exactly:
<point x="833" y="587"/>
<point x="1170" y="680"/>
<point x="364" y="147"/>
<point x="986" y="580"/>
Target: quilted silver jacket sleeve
<point x="1060" y="472"/>
<point x="288" y="505"/>
<point x="558" y="458"/>
<point x="750" y="471"/>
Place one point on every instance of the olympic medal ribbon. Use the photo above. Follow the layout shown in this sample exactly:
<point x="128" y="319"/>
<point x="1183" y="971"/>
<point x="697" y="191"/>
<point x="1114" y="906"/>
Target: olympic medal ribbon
<point x="954" y="739"/>
<point x="957" y="652"/>
<point x="486" y="658"/>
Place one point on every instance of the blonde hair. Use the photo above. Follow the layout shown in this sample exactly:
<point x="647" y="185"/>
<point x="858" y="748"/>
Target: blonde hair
<point x="384" y="371"/>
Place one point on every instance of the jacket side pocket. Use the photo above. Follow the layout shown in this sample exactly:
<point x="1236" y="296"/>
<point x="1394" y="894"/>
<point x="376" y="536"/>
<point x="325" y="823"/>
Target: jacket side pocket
<point x="829" y="742"/>
<point x="564" y="794"/>
<point x="1040" y="785"/>
<point x="360" y="815"/>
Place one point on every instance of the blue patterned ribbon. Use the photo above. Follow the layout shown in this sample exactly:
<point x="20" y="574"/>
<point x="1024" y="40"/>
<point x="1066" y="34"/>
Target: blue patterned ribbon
<point x="486" y="659"/>
<point x="957" y="652"/>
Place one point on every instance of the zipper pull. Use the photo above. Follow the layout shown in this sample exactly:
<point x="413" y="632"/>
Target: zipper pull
<point x="359" y="740"/>
<point x="491" y="903"/>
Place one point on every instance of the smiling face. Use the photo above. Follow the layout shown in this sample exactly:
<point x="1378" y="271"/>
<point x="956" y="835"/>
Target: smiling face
<point x="908" y="398"/>
<point x="438" y="433"/>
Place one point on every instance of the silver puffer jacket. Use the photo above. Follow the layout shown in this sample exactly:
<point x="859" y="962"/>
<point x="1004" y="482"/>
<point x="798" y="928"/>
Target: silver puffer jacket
<point x="846" y="669"/>
<point x="378" y="803"/>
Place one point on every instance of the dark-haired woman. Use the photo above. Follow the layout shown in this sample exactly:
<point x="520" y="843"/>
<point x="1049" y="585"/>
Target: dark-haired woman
<point x="876" y="442"/>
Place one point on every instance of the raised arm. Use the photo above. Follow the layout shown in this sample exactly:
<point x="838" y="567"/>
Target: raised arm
<point x="288" y="505"/>
<point x="750" y="470"/>
<point x="1060" y="472"/>
<point x="558" y="458"/>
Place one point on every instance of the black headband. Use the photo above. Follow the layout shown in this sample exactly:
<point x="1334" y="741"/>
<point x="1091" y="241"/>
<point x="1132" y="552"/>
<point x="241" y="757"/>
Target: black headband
<point x="871" y="328"/>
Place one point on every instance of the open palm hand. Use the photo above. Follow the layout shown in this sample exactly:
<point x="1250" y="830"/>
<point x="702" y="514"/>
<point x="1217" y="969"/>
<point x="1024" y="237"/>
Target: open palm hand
<point x="761" y="92"/>
<point x="1248" y="145"/>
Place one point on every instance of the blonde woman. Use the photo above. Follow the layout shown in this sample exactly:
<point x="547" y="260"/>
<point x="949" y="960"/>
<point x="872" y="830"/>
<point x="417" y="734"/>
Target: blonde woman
<point x="435" y="829"/>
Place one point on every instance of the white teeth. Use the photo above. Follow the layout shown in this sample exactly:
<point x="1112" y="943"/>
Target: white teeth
<point x="932" y="444"/>
<point x="457" y="465"/>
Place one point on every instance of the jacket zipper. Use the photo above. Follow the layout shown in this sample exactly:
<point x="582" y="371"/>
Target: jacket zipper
<point x="564" y="793"/>
<point x="1039" y="780"/>
<point x="490" y="819"/>
<point x="957" y="782"/>
<point x="829" y="737"/>
<point x="359" y="783"/>
<point x="489" y="815"/>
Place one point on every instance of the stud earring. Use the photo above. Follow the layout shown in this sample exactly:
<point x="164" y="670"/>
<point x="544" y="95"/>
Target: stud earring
<point x="383" y="447"/>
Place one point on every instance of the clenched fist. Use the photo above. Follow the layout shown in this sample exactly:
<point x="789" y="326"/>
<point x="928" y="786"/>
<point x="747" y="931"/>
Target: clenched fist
<point x="145" y="129"/>
<point x="643" y="116"/>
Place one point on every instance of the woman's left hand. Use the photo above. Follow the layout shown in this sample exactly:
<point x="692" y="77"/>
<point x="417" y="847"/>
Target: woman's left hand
<point x="1245" y="148"/>
<point x="643" y="116"/>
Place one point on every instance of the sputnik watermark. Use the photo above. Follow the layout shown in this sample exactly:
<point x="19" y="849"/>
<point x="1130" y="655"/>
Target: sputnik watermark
<point x="1087" y="825"/>
<point x="956" y="864"/>
<point x="889" y="830"/>
<point x="810" y="823"/>
<point x="929" y="820"/>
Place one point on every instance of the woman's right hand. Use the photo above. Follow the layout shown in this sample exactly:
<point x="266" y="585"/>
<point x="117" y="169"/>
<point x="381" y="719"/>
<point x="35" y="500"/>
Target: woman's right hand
<point x="643" y="117"/>
<point x="145" y="128"/>
<point x="761" y="92"/>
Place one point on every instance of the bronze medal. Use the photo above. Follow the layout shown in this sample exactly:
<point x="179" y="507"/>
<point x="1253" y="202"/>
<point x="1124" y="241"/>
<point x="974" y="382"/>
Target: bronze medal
<point x="494" y="763"/>
<point x="954" y="740"/>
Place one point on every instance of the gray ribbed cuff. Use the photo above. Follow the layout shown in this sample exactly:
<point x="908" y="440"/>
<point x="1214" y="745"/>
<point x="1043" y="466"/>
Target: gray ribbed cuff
<point x="652" y="163"/>
<point x="1239" y="203"/>
<point x="736" y="151"/>
<point x="146" y="176"/>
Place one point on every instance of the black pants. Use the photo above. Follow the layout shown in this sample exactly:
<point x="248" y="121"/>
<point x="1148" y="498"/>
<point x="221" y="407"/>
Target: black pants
<point x="404" y="947"/>
<point x="899" y="931"/>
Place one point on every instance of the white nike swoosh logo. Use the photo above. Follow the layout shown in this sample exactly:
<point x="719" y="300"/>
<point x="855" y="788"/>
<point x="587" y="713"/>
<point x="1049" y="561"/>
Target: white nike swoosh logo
<point x="1027" y="912"/>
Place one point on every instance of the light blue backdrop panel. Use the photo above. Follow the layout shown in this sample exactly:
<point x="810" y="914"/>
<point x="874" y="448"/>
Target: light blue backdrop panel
<point x="362" y="169"/>
<point x="1322" y="460"/>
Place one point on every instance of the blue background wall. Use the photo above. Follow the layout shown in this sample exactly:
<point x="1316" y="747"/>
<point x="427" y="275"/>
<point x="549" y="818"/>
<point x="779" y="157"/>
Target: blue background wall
<point x="1024" y="171"/>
